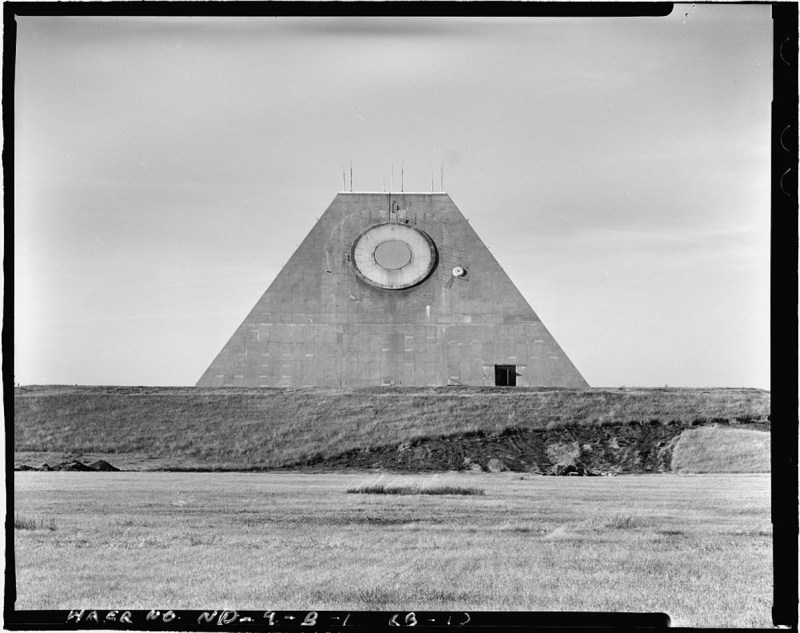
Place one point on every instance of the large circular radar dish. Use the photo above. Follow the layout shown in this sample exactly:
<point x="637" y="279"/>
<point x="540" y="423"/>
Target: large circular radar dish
<point x="393" y="256"/>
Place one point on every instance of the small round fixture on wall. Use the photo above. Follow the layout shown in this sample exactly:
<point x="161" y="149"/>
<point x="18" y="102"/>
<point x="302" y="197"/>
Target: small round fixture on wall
<point x="458" y="271"/>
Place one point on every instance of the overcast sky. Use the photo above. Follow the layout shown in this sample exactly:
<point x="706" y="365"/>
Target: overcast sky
<point x="618" y="169"/>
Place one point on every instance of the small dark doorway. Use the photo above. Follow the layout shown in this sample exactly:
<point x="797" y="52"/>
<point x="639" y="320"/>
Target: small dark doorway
<point x="505" y="375"/>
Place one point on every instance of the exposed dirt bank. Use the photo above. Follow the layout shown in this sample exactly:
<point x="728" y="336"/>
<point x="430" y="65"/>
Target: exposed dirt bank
<point x="615" y="449"/>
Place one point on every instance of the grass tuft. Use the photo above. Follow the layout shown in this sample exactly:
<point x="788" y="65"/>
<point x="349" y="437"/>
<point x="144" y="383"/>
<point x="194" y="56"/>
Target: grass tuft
<point x="24" y="523"/>
<point x="28" y="523"/>
<point x="413" y="487"/>
<point x="626" y="522"/>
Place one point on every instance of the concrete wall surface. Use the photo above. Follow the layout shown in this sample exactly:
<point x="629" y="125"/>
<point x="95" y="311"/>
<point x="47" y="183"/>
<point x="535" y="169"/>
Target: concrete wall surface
<point x="320" y="324"/>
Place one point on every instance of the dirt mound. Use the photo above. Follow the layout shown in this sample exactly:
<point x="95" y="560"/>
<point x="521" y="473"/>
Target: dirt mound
<point x="103" y="465"/>
<point x="73" y="465"/>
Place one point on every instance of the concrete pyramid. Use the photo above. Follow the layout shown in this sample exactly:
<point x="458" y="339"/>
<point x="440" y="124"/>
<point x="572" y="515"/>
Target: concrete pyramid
<point x="392" y="289"/>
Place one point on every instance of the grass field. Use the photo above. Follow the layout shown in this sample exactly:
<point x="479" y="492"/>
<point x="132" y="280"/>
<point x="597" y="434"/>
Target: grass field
<point x="697" y="547"/>
<point x="714" y="449"/>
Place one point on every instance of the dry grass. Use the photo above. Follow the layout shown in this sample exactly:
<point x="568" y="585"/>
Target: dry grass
<point x="267" y="428"/>
<point x="413" y="486"/>
<point x="30" y="523"/>
<point x="695" y="547"/>
<point x="722" y="450"/>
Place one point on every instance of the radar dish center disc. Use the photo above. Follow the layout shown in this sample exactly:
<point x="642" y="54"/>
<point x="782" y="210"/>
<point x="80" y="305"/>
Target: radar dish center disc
<point x="393" y="256"/>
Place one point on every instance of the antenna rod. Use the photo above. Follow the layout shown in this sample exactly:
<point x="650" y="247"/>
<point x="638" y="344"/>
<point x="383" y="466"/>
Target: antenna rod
<point x="441" y="176"/>
<point x="344" y="181"/>
<point x="401" y="176"/>
<point x="392" y="176"/>
<point x="351" y="176"/>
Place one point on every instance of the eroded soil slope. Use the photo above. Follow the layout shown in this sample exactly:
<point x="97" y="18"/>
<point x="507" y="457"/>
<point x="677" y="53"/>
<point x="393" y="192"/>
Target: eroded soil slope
<point x="618" y="448"/>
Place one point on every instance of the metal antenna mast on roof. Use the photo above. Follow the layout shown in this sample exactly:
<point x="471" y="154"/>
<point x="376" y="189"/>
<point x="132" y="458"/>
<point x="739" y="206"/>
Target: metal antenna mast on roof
<point x="441" y="176"/>
<point x="351" y="176"/>
<point x="344" y="181"/>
